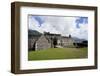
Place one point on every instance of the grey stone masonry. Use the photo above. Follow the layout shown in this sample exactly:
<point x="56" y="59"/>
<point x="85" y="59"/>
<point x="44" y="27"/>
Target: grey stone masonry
<point x="42" y="43"/>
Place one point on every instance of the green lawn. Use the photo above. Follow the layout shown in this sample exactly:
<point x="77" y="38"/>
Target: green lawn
<point x="58" y="53"/>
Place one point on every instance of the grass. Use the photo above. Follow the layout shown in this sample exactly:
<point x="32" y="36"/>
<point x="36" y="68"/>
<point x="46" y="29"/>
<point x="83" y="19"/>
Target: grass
<point x="58" y="53"/>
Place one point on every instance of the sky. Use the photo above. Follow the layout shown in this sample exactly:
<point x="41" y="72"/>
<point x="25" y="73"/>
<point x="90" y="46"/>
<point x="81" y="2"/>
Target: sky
<point x="64" y="25"/>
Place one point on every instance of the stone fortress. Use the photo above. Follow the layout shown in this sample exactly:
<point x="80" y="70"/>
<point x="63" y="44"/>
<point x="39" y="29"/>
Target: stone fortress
<point x="48" y="40"/>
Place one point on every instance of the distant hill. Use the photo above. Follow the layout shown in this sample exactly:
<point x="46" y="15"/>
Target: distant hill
<point x="78" y="40"/>
<point x="34" y="32"/>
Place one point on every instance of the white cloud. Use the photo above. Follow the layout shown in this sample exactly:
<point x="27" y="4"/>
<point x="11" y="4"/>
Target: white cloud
<point x="81" y="32"/>
<point x="34" y="25"/>
<point x="60" y="25"/>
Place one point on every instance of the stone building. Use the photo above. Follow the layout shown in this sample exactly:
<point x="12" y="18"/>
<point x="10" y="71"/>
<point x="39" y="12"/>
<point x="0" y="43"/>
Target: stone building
<point x="48" y="40"/>
<point x="42" y="43"/>
<point x="51" y="37"/>
<point x="67" y="42"/>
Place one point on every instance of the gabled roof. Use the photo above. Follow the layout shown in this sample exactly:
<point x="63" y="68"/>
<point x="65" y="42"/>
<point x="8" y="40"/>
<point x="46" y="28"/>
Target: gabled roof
<point x="45" y="37"/>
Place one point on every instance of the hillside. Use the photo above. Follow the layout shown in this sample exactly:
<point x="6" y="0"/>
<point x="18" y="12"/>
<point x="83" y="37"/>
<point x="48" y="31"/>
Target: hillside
<point x="34" y="32"/>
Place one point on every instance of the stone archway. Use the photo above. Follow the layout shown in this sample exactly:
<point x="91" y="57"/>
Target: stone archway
<point x="55" y="42"/>
<point x="33" y="48"/>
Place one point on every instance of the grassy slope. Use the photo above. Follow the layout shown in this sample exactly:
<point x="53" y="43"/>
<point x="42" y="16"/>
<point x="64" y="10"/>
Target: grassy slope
<point x="58" y="53"/>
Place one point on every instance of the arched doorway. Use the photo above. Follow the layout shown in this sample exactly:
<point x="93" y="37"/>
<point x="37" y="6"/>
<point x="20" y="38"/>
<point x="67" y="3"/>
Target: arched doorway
<point x="55" y="42"/>
<point x="34" y="47"/>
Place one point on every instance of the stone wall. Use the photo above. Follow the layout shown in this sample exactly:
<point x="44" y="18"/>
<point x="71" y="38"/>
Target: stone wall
<point x="31" y="42"/>
<point x="42" y="43"/>
<point x="67" y="42"/>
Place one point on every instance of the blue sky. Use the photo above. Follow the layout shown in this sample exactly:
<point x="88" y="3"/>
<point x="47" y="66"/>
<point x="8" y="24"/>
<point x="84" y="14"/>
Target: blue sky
<point x="81" y="20"/>
<point x="39" y="20"/>
<point x="76" y="26"/>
